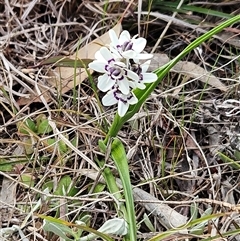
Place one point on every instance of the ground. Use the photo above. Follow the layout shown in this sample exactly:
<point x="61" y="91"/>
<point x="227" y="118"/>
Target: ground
<point x="183" y="146"/>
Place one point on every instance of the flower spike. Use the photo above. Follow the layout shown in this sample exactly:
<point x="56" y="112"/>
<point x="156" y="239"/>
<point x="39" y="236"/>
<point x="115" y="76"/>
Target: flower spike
<point x="123" y="72"/>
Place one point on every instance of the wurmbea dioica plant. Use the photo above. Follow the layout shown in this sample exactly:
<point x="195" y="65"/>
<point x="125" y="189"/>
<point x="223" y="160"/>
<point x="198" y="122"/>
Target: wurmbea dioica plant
<point x="122" y="70"/>
<point x="124" y="66"/>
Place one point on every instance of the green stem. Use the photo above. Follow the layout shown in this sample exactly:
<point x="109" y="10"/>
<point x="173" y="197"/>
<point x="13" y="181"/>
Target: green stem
<point x="119" y="157"/>
<point x="113" y="187"/>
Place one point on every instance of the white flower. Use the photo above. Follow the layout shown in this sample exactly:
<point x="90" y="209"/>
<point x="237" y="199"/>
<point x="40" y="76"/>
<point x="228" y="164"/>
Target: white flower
<point x="122" y="70"/>
<point x="125" y="47"/>
<point x="140" y="70"/>
<point x="115" y="72"/>
<point x="115" y="96"/>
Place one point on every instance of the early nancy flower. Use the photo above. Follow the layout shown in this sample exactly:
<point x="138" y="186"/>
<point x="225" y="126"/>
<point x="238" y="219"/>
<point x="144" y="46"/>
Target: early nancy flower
<point x="140" y="70"/>
<point x="115" y="72"/>
<point x="125" y="47"/>
<point x="115" y="96"/>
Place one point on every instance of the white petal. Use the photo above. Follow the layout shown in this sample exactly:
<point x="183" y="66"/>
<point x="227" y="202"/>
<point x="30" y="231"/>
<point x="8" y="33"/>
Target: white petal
<point x="109" y="99"/>
<point x="133" y="100"/>
<point x="122" y="108"/>
<point x="133" y="84"/>
<point x="124" y="36"/>
<point x="141" y="86"/>
<point x="145" y="66"/>
<point x="98" y="56"/>
<point x="124" y="86"/>
<point x="132" y="75"/>
<point x="139" y="44"/>
<point x="113" y="36"/>
<point x="115" y="52"/>
<point x="105" y="83"/>
<point x="134" y="37"/>
<point x="97" y="66"/>
<point x="120" y="64"/>
<point x="130" y="54"/>
<point x="149" y="77"/>
<point x="106" y="54"/>
<point x="136" y="61"/>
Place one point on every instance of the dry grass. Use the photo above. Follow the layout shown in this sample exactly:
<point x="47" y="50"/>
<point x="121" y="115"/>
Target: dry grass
<point x="172" y="144"/>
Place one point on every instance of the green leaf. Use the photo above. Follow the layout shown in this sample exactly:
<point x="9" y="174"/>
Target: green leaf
<point x="49" y="185"/>
<point x="231" y="162"/>
<point x="116" y="226"/>
<point x="99" y="188"/>
<point x="194" y="210"/>
<point x="102" y="146"/>
<point x="148" y="223"/>
<point x="172" y="6"/>
<point x="58" y="229"/>
<point x="170" y="232"/>
<point x="74" y="141"/>
<point x="62" y="61"/>
<point x="5" y="166"/>
<point x="65" y="187"/>
<point x="119" y="157"/>
<point x="73" y="191"/>
<point x="86" y="218"/>
<point x="65" y="223"/>
<point x="27" y="179"/>
<point x="51" y="142"/>
<point x="199" y="228"/>
<point x="44" y="127"/>
<point x="222" y="235"/>
<point x="28" y="124"/>
<point x="63" y="148"/>
<point x="112" y="185"/>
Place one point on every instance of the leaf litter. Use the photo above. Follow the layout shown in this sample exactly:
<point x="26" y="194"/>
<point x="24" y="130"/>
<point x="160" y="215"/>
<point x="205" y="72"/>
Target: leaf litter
<point x="187" y="134"/>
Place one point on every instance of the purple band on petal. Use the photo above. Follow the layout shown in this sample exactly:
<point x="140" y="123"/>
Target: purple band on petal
<point x="129" y="97"/>
<point x="118" y="98"/>
<point x="121" y="78"/>
<point x="111" y="60"/>
<point x="127" y="46"/>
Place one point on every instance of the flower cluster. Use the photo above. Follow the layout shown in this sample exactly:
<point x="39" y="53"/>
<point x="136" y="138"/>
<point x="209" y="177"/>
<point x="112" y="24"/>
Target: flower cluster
<point x="122" y="70"/>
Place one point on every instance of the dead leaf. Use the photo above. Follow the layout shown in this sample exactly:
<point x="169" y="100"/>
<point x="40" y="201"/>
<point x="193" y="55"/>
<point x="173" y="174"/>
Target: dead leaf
<point x="167" y="216"/>
<point x="62" y="78"/>
<point x="7" y="199"/>
<point x="196" y="72"/>
<point x="231" y="36"/>
<point x="189" y="69"/>
<point x="214" y="139"/>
